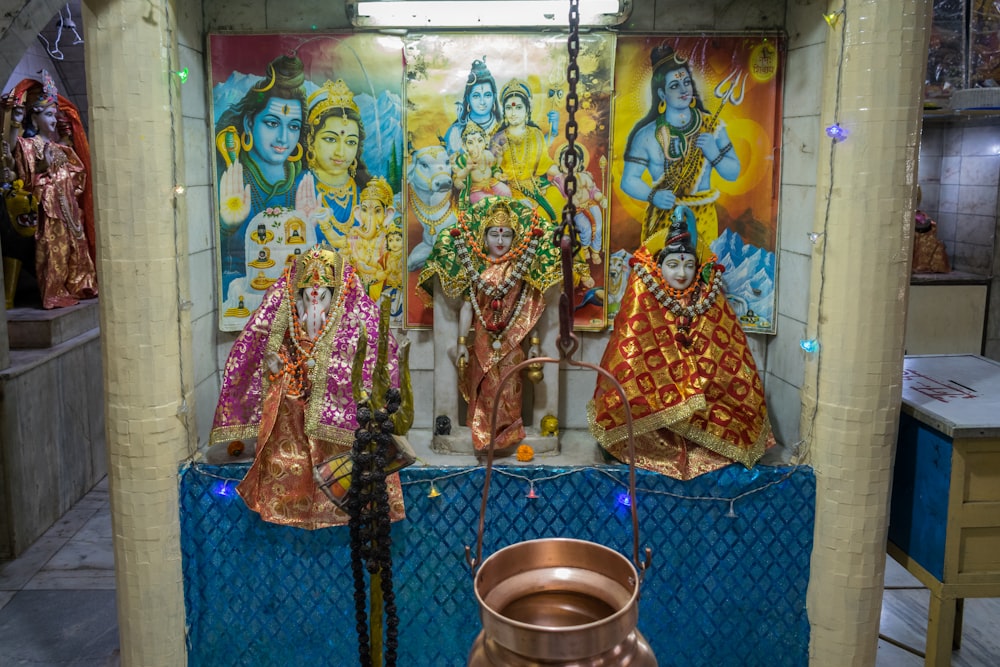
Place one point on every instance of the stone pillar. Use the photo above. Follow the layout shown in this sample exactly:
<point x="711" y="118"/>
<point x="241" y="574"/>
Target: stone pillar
<point x="145" y="327"/>
<point x="876" y="56"/>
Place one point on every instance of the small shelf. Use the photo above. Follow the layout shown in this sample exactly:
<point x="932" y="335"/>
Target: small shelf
<point x="950" y="278"/>
<point x="959" y="114"/>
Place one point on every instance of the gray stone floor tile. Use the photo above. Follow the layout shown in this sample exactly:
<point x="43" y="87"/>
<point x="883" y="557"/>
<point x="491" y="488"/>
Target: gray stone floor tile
<point x="14" y="574"/>
<point x="40" y="628"/>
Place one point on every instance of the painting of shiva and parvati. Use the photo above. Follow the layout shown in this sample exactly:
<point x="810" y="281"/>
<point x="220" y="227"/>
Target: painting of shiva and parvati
<point x="376" y="144"/>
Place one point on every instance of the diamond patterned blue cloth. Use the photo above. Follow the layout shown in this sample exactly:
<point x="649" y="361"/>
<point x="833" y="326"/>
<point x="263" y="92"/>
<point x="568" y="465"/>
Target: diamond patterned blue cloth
<point x="726" y="588"/>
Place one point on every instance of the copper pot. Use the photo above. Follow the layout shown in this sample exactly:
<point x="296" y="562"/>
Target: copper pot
<point x="558" y="601"/>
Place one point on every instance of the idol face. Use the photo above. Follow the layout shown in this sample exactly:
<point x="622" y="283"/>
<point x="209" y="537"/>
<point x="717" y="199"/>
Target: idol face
<point x="371" y="212"/>
<point x="678" y="270"/>
<point x="394" y="242"/>
<point x="46" y="121"/>
<point x="475" y="144"/>
<point x="678" y="90"/>
<point x="498" y="241"/>
<point x="336" y="147"/>
<point x="481" y="100"/>
<point x="514" y="111"/>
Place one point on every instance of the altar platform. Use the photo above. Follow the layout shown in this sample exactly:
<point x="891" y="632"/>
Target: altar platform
<point x="727" y="584"/>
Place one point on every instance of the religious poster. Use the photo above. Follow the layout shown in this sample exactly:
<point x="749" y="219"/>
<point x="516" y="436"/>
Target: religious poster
<point x="697" y="132"/>
<point x="485" y="116"/>
<point x="308" y="148"/>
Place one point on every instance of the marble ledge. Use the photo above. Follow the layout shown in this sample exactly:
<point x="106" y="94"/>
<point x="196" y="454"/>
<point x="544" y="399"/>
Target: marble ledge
<point x="952" y="278"/>
<point x="25" y="360"/>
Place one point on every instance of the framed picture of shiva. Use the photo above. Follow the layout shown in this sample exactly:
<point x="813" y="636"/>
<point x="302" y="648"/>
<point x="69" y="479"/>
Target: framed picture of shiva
<point x="697" y="128"/>
<point x="308" y="146"/>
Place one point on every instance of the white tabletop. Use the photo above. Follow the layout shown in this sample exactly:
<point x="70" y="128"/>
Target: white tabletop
<point x="956" y="394"/>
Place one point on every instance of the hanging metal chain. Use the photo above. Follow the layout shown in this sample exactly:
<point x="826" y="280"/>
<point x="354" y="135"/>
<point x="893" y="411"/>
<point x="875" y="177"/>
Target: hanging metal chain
<point x="567" y="236"/>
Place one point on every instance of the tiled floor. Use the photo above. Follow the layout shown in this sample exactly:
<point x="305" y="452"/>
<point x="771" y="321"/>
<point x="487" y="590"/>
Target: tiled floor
<point x="57" y="603"/>
<point x="904" y="620"/>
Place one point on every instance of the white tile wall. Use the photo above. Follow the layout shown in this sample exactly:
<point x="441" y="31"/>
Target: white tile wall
<point x="959" y="177"/>
<point x="798" y="206"/>
<point x="784" y="406"/>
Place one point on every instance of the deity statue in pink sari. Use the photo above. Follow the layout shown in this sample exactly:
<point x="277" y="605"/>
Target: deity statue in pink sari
<point x="287" y="383"/>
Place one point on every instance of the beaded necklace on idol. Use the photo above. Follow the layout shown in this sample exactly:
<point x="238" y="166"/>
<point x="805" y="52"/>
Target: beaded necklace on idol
<point x="298" y="366"/>
<point x="685" y="304"/>
<point x="523" y="255"/>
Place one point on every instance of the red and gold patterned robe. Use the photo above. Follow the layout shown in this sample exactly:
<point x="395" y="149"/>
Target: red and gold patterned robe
<point x="695" y="407"/>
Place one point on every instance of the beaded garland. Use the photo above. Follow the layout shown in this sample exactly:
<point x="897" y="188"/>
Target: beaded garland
<point x="297" y="366"/>
<point x="522" y="256"/>
<point x="673" y="299"/>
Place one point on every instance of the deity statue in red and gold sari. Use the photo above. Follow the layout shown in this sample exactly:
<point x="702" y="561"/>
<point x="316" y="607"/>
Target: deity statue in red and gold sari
<point x="57" y="178"/>
<point x="500" y="260"/>
<point x="680" y="354"/>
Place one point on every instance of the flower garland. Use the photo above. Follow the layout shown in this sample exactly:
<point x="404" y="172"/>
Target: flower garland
<point x="523" y="256"/>
<point x="296" y="365"/>
<point x="673" y="299"/>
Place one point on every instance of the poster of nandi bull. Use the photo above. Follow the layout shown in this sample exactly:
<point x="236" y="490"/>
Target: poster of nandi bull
<point x="486" y="116"/>
<point x="697" y="131"/>
<point x="308" y="148"/>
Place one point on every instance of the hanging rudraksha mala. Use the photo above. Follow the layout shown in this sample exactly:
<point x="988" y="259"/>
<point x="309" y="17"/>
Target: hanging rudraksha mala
<point x="368" y="506"/>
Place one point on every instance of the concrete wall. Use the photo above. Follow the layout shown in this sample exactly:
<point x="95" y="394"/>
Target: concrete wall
<point x="52" y="444"/>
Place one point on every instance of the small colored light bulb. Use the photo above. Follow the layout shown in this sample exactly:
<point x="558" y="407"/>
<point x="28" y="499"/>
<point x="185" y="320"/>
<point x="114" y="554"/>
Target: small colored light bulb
<point x="182" y="75"/>
<point x="810" y="345"/>
<point x="531" y="492"/>
<point x="434" y="493"/>
<point x="222" y="489"/>
<point x="836" y="132"/>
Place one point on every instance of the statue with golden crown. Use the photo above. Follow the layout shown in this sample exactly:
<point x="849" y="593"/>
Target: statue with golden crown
<point x="493" y="270"/>
<point x="56" y="177"/>
<point x="288" y="384"/>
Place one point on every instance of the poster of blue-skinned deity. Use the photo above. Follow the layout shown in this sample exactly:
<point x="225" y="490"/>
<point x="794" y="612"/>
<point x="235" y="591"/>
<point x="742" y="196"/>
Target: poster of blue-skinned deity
<point x="308" y="148"/>
<point x="697" y="123"/>
<point x="486" y="116"/>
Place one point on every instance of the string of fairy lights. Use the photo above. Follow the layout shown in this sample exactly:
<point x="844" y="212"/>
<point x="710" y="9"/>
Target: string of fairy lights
<point x="225" y="485"/>
<point x="837" y="134"/>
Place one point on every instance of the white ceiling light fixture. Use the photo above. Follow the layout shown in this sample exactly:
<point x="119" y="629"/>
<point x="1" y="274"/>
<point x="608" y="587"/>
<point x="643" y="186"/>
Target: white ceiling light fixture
<point x="483" y="13"/>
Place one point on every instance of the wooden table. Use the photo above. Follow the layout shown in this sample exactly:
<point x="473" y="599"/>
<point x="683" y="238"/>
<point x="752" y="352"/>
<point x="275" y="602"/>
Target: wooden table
<point x="944" y="524"/>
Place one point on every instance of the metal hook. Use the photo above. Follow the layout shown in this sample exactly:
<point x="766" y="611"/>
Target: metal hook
<point x="641" y="566"/>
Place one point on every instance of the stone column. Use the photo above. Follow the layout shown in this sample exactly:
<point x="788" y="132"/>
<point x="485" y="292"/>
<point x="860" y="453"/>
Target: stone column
<point x="876" y="56"/>
<point x="145" y="327"/>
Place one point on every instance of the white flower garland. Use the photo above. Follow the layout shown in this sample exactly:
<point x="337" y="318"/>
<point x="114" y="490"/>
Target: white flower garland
<point x="493" y="292"/>
<point x="698" y="306"/>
